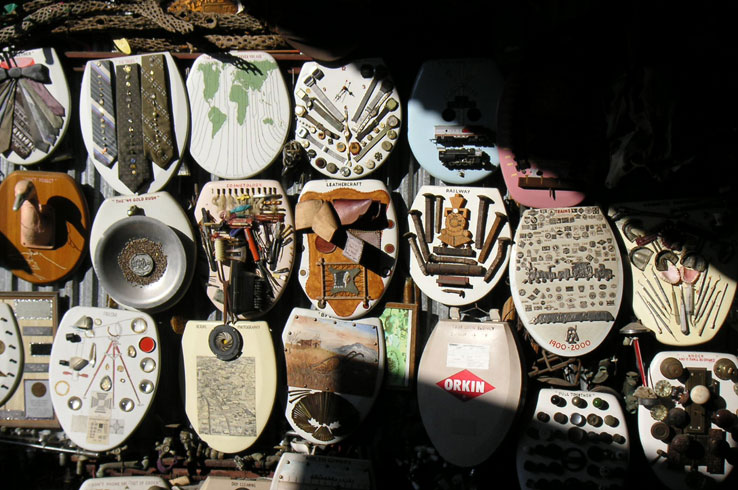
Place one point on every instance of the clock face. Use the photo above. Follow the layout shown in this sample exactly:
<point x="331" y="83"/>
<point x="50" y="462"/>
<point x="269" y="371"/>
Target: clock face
<point x="348" y="118"/>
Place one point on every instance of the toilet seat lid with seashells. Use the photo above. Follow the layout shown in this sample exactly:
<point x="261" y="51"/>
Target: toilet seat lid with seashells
<point x="230" y="381"/>
<point x="334" y="372"/>
<point x="103" y="373"/>
<point x="469" y="385"/>
<point x="11" y="353"/>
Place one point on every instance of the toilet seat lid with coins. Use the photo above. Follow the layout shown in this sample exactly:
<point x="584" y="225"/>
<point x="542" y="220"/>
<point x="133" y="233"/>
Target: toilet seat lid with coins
<point x="240" y="112"/>
<point x="469" y="387"/>
<point x="467" y="255"/>
<point x="348" y="117"/>
<point x="230" y="381"/>
<point x="103" y="374"/>
<point x="566" y="278"/>
<point x="334" y="369"/>
<point x="11" y="353"/>
<point x="159" y="206"/>
<point x="452" y="118"/>
<point x="695" y="406"/>
<point x="350" y="244"/>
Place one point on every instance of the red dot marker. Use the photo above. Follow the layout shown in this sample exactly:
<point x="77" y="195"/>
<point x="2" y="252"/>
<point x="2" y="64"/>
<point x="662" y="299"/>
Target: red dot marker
<point x="147" y="344"/>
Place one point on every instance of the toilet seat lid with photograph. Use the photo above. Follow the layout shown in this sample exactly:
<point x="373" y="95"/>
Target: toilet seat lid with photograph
<point x="150" y="224"/>
<point x="230" y="381"/>
<point x="566" y="278"/>
<point x="170" y="121"/>
<point x="348" y="117"/>
<point x="11" y="353"/>
<point x="469" y="387"/>
<point x="686" y="428"/>
<point x="350" y="244"/>
<point x="462" y="237"/>
<point x="452" y="118"/>
<point x="36" y="96"/>
<point x="103" y="374"/>
<point x="240" y="112"/>
<point x="335" y="369"/>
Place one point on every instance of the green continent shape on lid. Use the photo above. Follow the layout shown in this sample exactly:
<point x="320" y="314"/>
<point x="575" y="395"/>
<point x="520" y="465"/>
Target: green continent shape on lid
<point x="245" y="80"/>
<point x="217" y="118"/>
<point x="210" y="79"/>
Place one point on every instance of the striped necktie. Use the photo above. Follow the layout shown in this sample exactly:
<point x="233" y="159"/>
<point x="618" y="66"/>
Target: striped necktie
<point x="156" y="119"/>
<point x="133" y="168"/>
<point x="103" y="113"/>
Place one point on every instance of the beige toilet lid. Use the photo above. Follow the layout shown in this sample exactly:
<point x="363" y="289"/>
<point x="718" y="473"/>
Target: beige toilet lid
<point x="299" y="471"/>
<point x="469" y="385"/>
<point x="229" y="402"/>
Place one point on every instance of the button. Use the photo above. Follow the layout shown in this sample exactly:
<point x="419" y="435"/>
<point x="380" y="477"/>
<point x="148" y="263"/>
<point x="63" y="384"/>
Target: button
<point x="575" y="434"/>
<point x="663" y="388"/>
<point x="660" y="431"/>
<point x="680" y="443"/>
<point x="678" y="418"/>
<point x="659" y="412"/>
<point x="577" y="419"/>
<point x="700" y="394"/>
<point x="560" y="418"/>
<point x="558" y="401"/>
<point x="579" y="402"/>
<point x="543" y="416"/>
<point x="600" y="403"/>
<point x="147" y="344"/>
<point x="671" y="368"/>
<point x="594" y="420"/>
<point x="725" y="369"/>
<point x="618" y="439"/>
<point x="605" y="438"/>
<point x="611" y="421"/>
<point x="725" y="419"/>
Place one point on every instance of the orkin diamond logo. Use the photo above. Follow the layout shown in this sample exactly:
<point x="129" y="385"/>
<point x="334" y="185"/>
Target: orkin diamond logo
<point x="465" y="385"/>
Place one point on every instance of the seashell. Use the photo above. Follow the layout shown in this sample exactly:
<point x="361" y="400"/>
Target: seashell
<point x="632" y="229"/>
<point x="84" y="323"/>
<point x="640" y="257"/>
<point x="325" y="415"/>
<point x="666" y="258"/>
<point x="693" y="260"/>
<point x="688" y="275"/>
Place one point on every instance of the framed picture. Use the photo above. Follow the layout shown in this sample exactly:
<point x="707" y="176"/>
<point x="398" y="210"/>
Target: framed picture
<point x="400" y="321"/>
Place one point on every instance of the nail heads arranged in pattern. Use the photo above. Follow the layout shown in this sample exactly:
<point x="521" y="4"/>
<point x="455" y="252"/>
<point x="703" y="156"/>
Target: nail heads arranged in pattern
<point x="143" y="250"/>
<point x="469" y="386"/>
<point x="104" y="372"/>
<point x="348" y="117"/>
<point x="452" y="119"/>
<point x="687" y="422"/>
<point x="251" y="221"/>
<point x="135" y="120"/>
<point x="349" y="244"/>
<point x="240" y="112"/>
<point x="230" y="381"/>
<point x="566" y="278"/>
<point x="335" y="369"/>
<point x="34" y="105"/>
<point x="683" y="266"/>
<point x="460" y="242"/>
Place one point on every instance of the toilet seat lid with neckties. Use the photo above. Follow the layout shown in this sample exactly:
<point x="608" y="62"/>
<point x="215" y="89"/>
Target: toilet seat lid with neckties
<point x="135" y="120"/>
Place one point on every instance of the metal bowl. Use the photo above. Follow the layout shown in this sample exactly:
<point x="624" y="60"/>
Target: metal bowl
<point x="141" y="262"/>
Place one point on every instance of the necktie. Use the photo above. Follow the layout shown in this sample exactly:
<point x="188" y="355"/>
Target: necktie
<point x="103" y="113"/>
<point x="156" y="120"/>
<point x="133" y="168"/>
<point x="7" y="101"/>
<point x="22" y="140"/>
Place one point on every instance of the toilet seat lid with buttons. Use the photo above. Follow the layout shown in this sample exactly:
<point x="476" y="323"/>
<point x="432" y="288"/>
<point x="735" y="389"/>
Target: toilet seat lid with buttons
<point x="469" y="387"/>
<point x="11" y="353"/>
<point x="566" y="278"/>
<point x="574" y="435"/>
<point x="335" y="369"/>
<point x="702" y="391"/>
<point x="240" y="112"/>
<point x="230" y="381"/>
<point x="452" y="119"/>
<point x="103" y="374"/>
